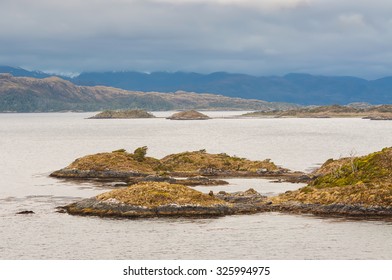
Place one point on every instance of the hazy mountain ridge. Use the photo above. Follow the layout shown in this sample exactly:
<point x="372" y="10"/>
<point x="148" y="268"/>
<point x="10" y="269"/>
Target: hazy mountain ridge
<point x="25" y="94"/>
<point x="303" y="89"/>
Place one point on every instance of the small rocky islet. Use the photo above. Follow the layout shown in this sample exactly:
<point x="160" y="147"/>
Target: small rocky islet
<point x="161" y="199"/>
<point x="123" y="114"/>
<point x="188" y="115"/>
<point x="197" y="166"/>
<point x="351" y="187"/>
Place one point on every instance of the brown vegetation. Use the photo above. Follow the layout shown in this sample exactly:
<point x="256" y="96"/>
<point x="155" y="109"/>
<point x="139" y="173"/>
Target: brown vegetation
<point x="365" y="180"/>
<point x="152" y="194"/>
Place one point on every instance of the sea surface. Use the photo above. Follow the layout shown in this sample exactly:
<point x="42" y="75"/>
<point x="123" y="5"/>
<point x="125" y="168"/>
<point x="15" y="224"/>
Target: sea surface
<point x="34" y="145"/>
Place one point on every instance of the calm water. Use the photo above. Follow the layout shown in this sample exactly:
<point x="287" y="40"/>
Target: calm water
<point x="33" y="145"/>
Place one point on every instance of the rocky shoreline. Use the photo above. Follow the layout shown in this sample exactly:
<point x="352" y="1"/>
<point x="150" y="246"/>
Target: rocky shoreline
<point x="94" y="207"/>
<point x="238" y="203"/>
<point x="338" y="210"/>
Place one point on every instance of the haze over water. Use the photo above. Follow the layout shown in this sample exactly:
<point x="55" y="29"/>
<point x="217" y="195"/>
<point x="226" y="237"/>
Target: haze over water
<point x="33" y="145"/>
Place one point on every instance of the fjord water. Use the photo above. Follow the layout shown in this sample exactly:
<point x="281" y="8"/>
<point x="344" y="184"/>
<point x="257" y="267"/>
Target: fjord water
<point x="33" y="145"/>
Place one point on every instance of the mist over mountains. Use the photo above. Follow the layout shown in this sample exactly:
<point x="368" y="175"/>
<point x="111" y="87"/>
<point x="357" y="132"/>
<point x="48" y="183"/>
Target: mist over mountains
<point x="304" y="89"/>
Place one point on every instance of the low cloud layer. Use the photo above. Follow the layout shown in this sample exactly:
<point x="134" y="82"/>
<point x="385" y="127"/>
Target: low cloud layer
<point x="270" y="37"/>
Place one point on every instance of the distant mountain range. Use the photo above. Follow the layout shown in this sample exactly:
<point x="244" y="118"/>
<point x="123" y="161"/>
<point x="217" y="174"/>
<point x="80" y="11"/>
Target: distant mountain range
<point x="26" y="94"/>
<point x="302" y="89"/>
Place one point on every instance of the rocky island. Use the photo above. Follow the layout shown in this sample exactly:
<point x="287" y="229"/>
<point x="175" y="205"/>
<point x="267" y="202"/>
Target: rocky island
<point x="351" y="187"/>
<point x="189" y="115"/>
<point x="355" y="186"/>
<point x="381" y="112"/>
<point x="123" y="114"/>
<point x="146" y="200"/>
<point x="198" y="166"/>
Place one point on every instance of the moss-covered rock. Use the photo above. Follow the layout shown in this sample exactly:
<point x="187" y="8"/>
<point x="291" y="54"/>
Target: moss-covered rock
<point x="363" y="183"/>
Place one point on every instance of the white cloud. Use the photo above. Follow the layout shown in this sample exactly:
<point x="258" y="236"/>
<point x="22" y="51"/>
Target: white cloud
<point x="257" y="37"/>
<point x="263" y="4"/>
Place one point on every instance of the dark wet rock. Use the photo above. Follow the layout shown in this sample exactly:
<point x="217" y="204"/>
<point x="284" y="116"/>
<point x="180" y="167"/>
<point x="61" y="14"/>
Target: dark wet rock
<point x="25" y="212"/>
<point x="153" y="178"/>
<point x="96" y="174"/>
<point x="333" y="209"/>
<point x="93" y="206"/>
<point x="378" y="118"/>
<point x="249" y="201"/>
<point x="201" y="181"/>
<point x="191" y="181"/>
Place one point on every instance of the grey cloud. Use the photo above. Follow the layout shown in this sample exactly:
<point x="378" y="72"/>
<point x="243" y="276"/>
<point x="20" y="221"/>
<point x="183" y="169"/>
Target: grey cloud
<point x="316" y="36"/>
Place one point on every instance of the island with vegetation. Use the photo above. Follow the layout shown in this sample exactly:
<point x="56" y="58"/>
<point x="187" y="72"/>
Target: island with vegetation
<point x="354" y="186"/>
<point x="200" y="167"/>
<point x="350" y="187"/>
<point x="161" y="199"/>
<point x="123" y="114"/>
<point x="381" y="112"/>
<point x="188" y="115"/>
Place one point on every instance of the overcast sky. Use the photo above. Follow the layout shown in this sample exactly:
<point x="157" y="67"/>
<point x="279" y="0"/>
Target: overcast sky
<point x="265" y="37"/>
